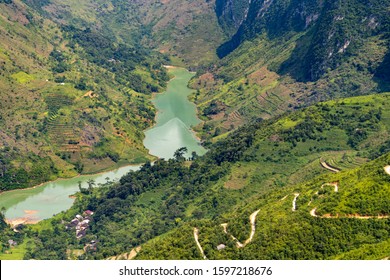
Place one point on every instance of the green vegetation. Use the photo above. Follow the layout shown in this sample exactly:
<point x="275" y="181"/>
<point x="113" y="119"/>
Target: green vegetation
<point x="12" y="244"/>
<point x="158" y="206"/>
<point x="284" y="234"/>
<point x="72" y="100"/>
<point x="22" y="77"/>
<point x="286" y="148"/>
<point x="175" y="27"/>
<point x="287" y="55"/>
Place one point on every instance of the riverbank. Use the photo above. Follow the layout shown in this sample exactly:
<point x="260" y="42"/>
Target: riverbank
<point x="175" y="117"/>
<point x="39" y="203"/>
<point x="113" y="168"/>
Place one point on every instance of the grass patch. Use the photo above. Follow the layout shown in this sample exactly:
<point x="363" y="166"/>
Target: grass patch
<point x="15" y="253"/>
<point x="22" y="77"/>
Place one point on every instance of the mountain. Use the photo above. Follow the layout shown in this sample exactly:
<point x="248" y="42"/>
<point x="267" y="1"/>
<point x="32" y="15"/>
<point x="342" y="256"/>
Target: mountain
<point x="231" y="14"/>
<point x="331" y="31"/>
<point x="259" y="167"/>
<point x="289" y="54"/>
<point x="294" y="98"/>
<point x="72" y="100"/>
<point x="175" y="27"/>
<point x="335" y="216"/>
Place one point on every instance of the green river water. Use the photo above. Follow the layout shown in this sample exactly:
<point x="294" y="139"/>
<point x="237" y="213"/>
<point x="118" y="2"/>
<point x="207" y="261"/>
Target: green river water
<point x="175" y="117"/>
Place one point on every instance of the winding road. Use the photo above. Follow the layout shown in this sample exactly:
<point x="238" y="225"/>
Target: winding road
<point x="252" y="219"/>
<point x="352" y="216"/>
<point x="325" y="165"/>
<point x="335" y="185"/>
<point x="387" y="169"/>
<point x="355" y="216"/>
<point x="196" y="237"/>
<point x="294" y="203"/>
<point x="313" y="212"/>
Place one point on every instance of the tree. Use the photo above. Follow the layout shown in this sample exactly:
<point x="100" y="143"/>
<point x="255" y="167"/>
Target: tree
<point x="179" y="154"/>
<point x="3" y="224"/>
<point x="90" y="183"/>
<point x="194" y="155"/>
<point x="79" y="166"/>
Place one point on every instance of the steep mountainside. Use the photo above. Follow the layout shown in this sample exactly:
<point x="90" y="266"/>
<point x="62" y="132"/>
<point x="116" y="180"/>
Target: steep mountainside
<point x="71" y="100"/>
<point x="273" y="166"/>
<point x="288" y="54"/>
<point x="334" y="30"/>
<point x="335" y="216"/>
<point x="186" y="30"/>
<point x="294" y="169"/>
<point x="231" y="14"/>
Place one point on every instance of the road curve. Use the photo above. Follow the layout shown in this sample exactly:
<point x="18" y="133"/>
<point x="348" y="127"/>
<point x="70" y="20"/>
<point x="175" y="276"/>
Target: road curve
<point x="252" y="219"/>
<point x="325" y="165"/>
<point x="294" y="203"/>
<point x="196" y="237"/>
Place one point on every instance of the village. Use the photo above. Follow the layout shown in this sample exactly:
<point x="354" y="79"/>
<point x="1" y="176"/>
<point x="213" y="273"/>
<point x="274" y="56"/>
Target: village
<point x="80" y="223"/>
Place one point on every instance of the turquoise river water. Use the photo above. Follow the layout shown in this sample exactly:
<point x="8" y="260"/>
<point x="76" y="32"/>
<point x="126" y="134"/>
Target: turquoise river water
<point x="175" y="117"/>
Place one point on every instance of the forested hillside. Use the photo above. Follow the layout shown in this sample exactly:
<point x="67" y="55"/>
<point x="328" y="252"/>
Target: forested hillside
<point x="253" y="169"/>
<point x="295" y="103"/>
<point x="315" y="220"/>
<point x="73" y="100"/>
<point x="288" y="54"/>
<point x="187" y="30"/>
<point x="330" y="30"/>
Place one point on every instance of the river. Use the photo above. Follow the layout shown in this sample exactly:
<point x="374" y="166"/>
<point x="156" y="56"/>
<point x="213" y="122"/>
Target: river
<point x="176" y="115"/>
<point x="174" y="119"/>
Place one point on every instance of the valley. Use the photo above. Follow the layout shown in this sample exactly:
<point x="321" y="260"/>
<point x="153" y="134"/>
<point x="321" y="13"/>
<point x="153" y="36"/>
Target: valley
<point x="274" y="144"/>
<point x="51" y="198"/>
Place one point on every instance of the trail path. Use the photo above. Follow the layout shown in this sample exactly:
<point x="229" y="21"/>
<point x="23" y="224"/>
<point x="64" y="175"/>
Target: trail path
<point x="284" y="198"/>
<point x="355" y="216"/>
<point x="351" y="216"/>
<point x="126" y="256"/>
<point x="134" y="253"/>
<point x="313" y="212"/>
<point x="196" y="236"/>
<point x="325" y="165"/>
<point x="224" y="227"/>
<point x="294" y="203"/>
<point x="335" y="185"/>
<point x="252" y="219"/>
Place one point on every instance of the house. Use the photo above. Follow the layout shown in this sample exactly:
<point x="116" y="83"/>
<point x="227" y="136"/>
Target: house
<point x="88" y="213"/>
<point x="91" y="246"/>
<point x="74" y="222"/>
<point x="80" y="223"/>
<point x="81" y="233"/>
<point x="84" y="222"/>
<point x="12" y="243"/>
<point x="82" y="227"/>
